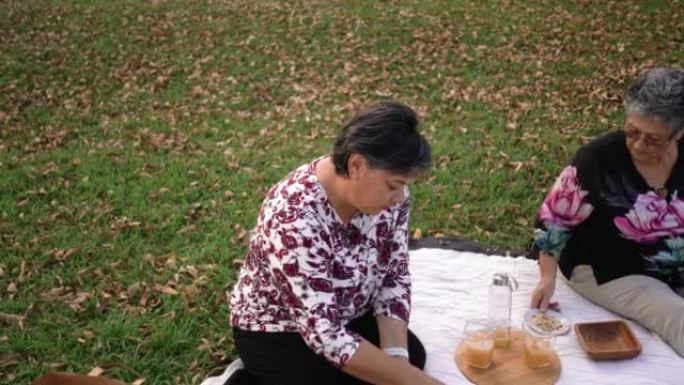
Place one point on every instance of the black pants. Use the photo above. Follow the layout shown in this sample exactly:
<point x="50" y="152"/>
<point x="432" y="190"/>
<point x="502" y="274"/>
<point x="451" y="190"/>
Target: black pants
<point x="284" y="359"/>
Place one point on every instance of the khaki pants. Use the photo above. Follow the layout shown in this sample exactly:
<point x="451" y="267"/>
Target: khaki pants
<point x="644" y="299"/>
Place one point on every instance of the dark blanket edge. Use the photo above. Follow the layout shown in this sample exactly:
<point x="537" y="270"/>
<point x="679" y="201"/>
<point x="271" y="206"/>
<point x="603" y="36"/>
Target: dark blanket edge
<point x="458" y="244"/>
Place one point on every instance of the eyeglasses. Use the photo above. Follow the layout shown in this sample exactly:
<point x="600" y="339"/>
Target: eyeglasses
<point x="636" y="135"/>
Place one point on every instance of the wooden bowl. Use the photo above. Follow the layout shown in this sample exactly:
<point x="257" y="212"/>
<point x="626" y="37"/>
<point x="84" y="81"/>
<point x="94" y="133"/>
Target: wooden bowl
<point x="608" y="340"/>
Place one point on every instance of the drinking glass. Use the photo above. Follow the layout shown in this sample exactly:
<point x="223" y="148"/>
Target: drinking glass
<point x="538" y="348"/>
<point x="502" y="336"/>
<point x="479" y="343"/>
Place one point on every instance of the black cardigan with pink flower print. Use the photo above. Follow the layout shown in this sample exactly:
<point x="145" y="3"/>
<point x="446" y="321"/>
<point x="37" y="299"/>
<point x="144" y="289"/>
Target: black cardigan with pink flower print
<point x="601" y="212"/>
<point x="309" y="273"/>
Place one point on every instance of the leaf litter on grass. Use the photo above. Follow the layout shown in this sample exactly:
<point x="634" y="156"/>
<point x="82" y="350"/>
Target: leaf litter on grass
<point x="137" y="140"/>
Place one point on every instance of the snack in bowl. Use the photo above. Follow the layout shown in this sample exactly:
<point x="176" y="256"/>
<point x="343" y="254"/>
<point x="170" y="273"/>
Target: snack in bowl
<point x="549" y="322"/>
<point x="546" y="322"/>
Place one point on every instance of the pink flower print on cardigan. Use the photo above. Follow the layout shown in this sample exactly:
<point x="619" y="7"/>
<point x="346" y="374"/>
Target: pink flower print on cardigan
<point x="563" y="209"/>
<point x="565" y="206"/>
<point x="652" y="218"/>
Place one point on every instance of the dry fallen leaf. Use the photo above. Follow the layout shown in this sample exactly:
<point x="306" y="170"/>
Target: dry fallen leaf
<point x="96" y="371"/>
<point x="60" y="255"/>
<point x="124" y="223"/>
<point x="165" y="289"/>
<point x="160" y="192"/>
<point x="170" y="262"/>
<point x="133" y="289"/>
<point x="191" y="270"/>
<point x="12" y="287"/>
<point x="7" y="360"/>
<point x="237" y="263"/>
<point x="11" y="318"/>
<point x="204" y="346"/>
<point x="187" y="229"/>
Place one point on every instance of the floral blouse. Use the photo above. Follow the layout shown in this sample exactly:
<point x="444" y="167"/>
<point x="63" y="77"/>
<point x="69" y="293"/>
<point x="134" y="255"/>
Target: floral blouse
<point x="307" y="272"/>
<point x="601" y="212"/>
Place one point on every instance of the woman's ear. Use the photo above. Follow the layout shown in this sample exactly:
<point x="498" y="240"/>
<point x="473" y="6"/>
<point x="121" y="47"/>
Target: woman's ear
<point x="356" y="165"/>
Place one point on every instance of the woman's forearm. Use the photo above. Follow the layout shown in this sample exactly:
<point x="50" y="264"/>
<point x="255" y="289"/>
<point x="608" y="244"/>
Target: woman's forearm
<point x="548" y="266"/>
<point x="393" y="332"/>
<point x="372" y="365"/>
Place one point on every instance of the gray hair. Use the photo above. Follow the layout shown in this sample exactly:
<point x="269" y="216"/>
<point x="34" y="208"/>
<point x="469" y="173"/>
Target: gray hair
<point x="659" y="94"/>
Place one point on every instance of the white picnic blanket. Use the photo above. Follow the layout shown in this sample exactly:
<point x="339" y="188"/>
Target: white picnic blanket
<point x="450" y="287"/>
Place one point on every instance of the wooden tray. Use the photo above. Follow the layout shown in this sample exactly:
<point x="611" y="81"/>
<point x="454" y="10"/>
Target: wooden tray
<point x="609" y="340"/>
<point x="508" y="366"/>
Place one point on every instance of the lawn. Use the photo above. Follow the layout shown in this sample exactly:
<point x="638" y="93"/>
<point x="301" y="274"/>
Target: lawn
<point x="138" y="138"/>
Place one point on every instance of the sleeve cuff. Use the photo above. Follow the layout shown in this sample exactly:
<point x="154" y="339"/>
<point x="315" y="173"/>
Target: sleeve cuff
<point x="552" y="240"/>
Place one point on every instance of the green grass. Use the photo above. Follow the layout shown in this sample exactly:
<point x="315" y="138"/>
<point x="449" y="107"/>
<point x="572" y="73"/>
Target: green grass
<point x="137" y="140"/>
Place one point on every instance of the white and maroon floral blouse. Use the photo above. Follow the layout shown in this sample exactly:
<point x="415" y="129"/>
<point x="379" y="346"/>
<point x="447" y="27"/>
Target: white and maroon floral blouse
<point x="308" y="272"/>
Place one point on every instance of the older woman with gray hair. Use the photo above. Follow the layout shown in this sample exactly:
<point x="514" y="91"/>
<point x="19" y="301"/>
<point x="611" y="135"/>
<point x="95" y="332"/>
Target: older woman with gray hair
<point x="613" y="223"/>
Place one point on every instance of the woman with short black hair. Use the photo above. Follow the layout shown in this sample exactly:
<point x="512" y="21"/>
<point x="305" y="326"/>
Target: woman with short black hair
<point x="324" y="294"/>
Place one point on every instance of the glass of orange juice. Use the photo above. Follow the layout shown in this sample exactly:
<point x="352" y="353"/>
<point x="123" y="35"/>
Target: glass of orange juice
<point x="479" y="343"/>
<point x="538" y="348"/>
<point x="502" y="336"/>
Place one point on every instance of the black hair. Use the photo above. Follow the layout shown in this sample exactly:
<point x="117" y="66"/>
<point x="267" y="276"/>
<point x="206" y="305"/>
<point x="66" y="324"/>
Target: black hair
<point x="386" y="134"/>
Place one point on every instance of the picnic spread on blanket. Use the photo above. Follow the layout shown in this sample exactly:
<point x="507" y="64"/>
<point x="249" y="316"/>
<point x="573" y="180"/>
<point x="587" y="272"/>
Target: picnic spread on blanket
<point x="592" y="345"/>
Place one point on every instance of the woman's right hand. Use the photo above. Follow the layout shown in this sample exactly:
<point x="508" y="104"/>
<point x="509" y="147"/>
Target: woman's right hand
<point x="371" y="364"/>
<point x="541" y="295"/>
